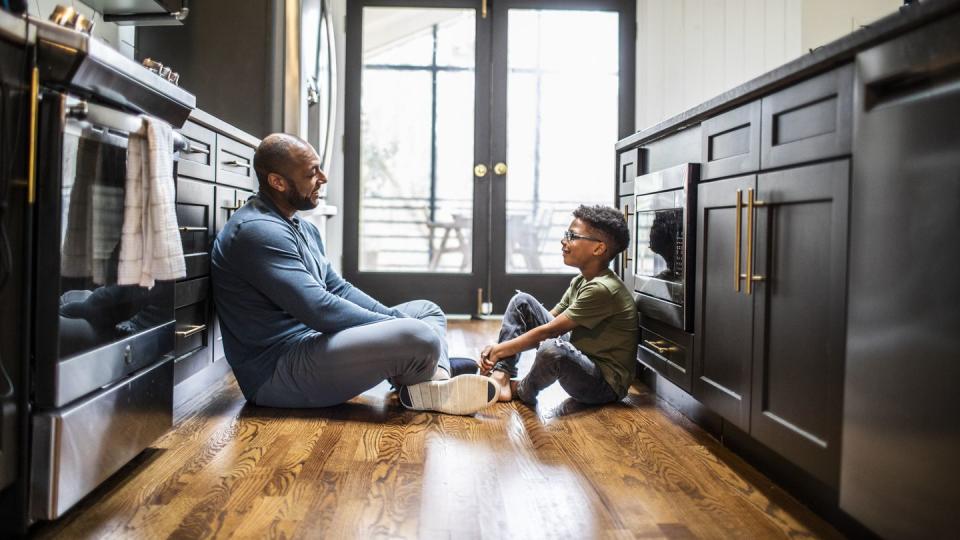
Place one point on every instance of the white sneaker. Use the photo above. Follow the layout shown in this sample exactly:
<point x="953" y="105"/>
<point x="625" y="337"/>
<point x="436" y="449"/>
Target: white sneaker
<point x="464" y="394"/>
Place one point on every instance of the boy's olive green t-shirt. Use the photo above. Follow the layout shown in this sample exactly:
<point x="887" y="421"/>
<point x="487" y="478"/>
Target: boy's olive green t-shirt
<point x="607" y="326"/>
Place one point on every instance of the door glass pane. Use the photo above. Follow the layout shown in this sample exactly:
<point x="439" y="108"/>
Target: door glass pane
<point x="416" y="140"/>
<point x="562" y="101"/>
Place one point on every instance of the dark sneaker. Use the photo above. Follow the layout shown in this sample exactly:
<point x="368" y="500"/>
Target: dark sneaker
<point x="465" y="394"/>
<point x="462" y="365"/>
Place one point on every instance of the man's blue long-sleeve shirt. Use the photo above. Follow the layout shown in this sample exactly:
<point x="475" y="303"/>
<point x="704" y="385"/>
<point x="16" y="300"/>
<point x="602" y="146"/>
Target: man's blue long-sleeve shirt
<point x="273" y="287"/>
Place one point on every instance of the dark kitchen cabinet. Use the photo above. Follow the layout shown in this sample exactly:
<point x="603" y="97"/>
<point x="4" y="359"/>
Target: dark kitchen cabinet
<point x="769" y="348"/>
<point x="731" y="142"/>
<point x="723" y="313"/>
<point x="798" y="312"/>
<point x="214" y="178"/>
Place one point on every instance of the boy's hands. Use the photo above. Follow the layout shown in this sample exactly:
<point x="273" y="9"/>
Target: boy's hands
<point x="488" y="358"/>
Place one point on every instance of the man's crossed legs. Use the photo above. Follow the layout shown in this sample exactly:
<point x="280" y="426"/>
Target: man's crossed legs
<point x="329" y="369"/>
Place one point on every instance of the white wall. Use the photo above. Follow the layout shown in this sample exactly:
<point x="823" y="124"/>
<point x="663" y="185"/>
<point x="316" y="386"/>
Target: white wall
<point x="827" y="20"/>
<point x="118" y="37"/>
<point x="689" y="51"/>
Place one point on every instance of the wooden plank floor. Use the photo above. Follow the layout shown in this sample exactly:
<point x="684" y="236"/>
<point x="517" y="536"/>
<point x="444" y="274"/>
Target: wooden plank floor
<point x="370" y="469"/>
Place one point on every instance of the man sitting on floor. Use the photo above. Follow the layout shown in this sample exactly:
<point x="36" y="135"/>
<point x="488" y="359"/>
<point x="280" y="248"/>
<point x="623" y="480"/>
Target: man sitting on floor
<point x="296" y="333"/>
<point x="587" y="342"/>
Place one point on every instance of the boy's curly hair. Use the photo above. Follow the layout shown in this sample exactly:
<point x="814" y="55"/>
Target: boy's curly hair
<point x="609" y="221"/>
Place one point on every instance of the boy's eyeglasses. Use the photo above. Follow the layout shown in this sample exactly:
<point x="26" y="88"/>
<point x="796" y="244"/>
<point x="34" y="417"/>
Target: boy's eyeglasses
<point x="569" y="236"/>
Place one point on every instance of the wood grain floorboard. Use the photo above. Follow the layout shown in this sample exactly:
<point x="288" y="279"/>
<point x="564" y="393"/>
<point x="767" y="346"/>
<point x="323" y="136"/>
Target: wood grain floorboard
<point x="370" y="469"/>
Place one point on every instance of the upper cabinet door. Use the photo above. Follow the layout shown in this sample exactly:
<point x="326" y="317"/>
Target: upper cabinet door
<point x="808" y="121"/>
<point x="799" y="309"/>
<point x="731" y="142"/>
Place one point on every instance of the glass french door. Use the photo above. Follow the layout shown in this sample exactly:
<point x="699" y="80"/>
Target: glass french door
<point x="473" y="130"/>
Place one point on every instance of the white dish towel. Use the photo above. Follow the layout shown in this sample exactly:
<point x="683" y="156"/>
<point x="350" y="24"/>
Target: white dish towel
<point x="150" y="246"/>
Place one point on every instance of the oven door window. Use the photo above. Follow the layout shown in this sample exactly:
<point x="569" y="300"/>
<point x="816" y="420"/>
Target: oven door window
<point x="93" y="309"/>
<point x="660" y="251"/>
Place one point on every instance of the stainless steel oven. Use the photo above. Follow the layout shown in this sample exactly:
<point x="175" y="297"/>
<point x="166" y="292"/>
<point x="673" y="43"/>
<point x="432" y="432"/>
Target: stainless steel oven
<point x="663" y="250"/>
<point x="96" y="384"/>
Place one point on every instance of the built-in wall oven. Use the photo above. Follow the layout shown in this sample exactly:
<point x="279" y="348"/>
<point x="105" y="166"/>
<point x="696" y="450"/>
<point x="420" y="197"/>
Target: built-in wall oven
<point x="663" y="246"/>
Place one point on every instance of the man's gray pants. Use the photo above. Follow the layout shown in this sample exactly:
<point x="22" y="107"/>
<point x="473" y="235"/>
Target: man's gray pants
<point x="328" y="369"/>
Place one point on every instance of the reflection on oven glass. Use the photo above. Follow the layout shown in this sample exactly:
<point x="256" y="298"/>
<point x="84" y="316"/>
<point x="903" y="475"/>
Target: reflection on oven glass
<point x="93" y="309"/>
<point x="661" y="254"/>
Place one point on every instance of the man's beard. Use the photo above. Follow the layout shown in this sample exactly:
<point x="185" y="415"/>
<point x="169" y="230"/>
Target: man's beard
<point x="299" y="202"/>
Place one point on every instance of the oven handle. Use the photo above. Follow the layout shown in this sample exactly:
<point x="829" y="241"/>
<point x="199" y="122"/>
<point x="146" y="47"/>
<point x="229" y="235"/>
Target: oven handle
<point x="118" y="121"/>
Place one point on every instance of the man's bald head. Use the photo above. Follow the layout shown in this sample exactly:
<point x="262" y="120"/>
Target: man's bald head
<point x="276" y="153"/>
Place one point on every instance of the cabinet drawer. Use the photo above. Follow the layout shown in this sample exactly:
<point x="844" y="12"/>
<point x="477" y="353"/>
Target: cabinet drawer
<point x="628" y="166"/>
<point x="235" y="164"/>
<point x="192" y="314"/>
<point x="731" y="142"/>
<point x="195" y="219"/>
<point x="808" y="121"/>
<point x="670" y="358"/>
<point x="198" y="162"/>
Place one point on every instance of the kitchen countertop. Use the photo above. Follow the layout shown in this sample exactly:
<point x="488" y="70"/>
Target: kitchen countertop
<point x="820" y="59"/>
<point x="214" y="123"/>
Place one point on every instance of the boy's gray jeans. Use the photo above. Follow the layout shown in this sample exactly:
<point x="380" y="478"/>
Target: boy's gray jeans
<point x="556" y="360"/>
<point x="328" y="369"/>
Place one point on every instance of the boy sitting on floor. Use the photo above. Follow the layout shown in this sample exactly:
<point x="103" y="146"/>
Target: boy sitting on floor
<point x="587" y="342"/>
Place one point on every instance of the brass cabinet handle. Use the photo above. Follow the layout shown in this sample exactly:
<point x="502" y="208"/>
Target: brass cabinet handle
<point x="479" y="170"/>
<point x="500" y="169"/>
<point x="191" y="330"/>
<point x="193" y="229"/>
<point x="736" y="242"/>
<point x="237" y="163"/>
<point x="660" y="346"/>
<point x="752" y="203"/>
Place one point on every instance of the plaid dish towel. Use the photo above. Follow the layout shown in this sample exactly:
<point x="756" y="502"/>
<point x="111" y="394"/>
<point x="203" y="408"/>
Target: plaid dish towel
<point x="150" y="246"/>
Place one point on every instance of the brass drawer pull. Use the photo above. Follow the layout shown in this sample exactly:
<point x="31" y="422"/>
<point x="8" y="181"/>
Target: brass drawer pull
<point x="193" y="229"/>
<point x="191" y="330"/>
<point x="236" y="163"/>
<point x="660" y="346"/>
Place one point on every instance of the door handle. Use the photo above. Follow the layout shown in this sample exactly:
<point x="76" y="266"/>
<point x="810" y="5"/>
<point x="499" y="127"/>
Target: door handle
<point x="626" y="253"/>
<point x="500" y="169"/>
<point x="737" y="276"/>
<point x="193" y="229"/>
<point x="752" y="203"/>
<point x="479" y="170"/>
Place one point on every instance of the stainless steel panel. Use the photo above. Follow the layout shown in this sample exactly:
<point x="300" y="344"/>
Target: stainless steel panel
<point x="901" y="436"/>
<point x="81" y="374"/>
<point x="78" y="447"/>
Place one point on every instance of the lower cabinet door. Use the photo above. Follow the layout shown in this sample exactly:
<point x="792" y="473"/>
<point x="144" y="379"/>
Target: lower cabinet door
<point x="798" y="356"/>
<point x="724" y="311"/>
